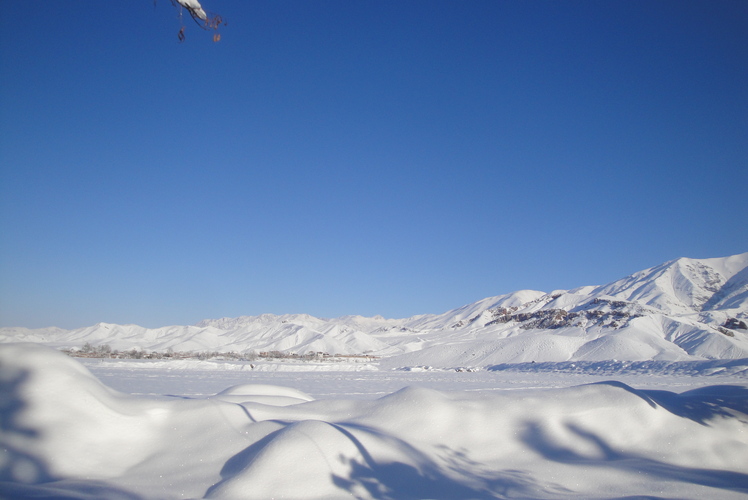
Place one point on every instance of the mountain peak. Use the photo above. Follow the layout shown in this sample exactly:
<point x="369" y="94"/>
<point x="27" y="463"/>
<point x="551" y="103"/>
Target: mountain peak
<point x="679" y="286"/>
<point x="681" y="309"/>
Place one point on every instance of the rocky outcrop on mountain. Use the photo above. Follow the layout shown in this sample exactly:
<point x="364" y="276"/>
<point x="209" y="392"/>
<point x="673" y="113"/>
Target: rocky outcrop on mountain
<point x="680" y="310"/>
<point x="617" y="315"/>
<point x="735" y="324"/>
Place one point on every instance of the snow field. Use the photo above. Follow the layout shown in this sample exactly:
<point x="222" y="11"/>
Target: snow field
<point x="67" y="435"/>
<point x="195" y="378"/>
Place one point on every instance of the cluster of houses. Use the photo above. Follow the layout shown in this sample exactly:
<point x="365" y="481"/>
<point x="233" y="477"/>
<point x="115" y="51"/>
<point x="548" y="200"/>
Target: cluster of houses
<point x="105" y="351"/>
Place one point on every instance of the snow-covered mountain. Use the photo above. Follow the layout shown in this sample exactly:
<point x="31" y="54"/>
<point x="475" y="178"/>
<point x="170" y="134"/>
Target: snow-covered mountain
<point x="680" y="310"/>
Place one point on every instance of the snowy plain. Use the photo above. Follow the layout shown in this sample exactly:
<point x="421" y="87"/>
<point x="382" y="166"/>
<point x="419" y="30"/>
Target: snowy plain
<point x="634" y="389"/>
<point x="194" y="378"/>
<point x="133" y="429"/>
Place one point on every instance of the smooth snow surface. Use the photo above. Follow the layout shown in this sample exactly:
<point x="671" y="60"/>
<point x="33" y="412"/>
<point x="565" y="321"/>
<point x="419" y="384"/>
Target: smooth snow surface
<point x="67" y="435"/>
<point x="686" y="309"/>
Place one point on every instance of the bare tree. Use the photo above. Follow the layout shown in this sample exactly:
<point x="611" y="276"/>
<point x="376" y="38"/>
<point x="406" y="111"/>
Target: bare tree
<point x="206" y="20"/>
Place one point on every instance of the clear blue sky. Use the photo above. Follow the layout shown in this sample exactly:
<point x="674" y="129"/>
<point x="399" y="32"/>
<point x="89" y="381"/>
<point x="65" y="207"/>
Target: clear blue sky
<point x="392" y="157"/>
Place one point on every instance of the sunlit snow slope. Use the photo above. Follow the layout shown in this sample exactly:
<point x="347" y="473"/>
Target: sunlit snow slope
<point x="66" y="435"/>
<point x="681" y="310"/>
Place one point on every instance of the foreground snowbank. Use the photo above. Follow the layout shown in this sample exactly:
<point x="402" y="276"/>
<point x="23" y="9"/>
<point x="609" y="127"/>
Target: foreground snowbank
<point x="66" y="435"/>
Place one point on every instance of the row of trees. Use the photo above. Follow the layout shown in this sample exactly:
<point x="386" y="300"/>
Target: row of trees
<point x="105" y="351"/>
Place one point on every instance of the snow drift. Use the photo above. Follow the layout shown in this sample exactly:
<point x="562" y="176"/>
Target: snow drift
<point x="686" y="309"/>
<point x="66" y="435"/>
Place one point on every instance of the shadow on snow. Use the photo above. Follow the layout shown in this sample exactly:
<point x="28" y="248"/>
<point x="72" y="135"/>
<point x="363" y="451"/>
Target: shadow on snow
<point x="23" y="475"/>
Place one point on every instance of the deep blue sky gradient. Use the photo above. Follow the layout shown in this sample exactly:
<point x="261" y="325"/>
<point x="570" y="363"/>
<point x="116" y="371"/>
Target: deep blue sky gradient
<point x="392" y="157"/>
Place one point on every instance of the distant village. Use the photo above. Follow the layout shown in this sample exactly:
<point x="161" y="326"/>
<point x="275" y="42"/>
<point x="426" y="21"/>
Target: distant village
<point x="105" y="351"/>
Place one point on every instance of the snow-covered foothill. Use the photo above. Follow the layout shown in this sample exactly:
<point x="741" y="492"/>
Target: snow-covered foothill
<point x="685" y="309"/>
<point x="66" y="435"/>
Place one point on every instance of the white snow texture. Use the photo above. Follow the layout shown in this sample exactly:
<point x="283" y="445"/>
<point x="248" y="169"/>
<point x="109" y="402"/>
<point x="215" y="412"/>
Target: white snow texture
<point x="66" y="435"/>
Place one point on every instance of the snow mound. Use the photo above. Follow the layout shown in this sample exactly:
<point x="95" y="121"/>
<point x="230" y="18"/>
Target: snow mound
<point x="65" y="435"/>
<point x="262" y="393"/>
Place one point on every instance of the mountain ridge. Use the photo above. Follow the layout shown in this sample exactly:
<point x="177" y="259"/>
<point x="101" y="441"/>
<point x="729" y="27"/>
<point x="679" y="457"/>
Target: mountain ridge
<point x="683" y="309"/>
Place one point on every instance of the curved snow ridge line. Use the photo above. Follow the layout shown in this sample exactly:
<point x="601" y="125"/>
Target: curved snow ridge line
<point x="263" y="394"/>
<point x="67" y="435"/>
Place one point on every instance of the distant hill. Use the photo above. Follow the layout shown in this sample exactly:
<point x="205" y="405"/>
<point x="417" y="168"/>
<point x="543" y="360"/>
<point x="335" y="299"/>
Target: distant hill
<point x="685" y="309"/>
